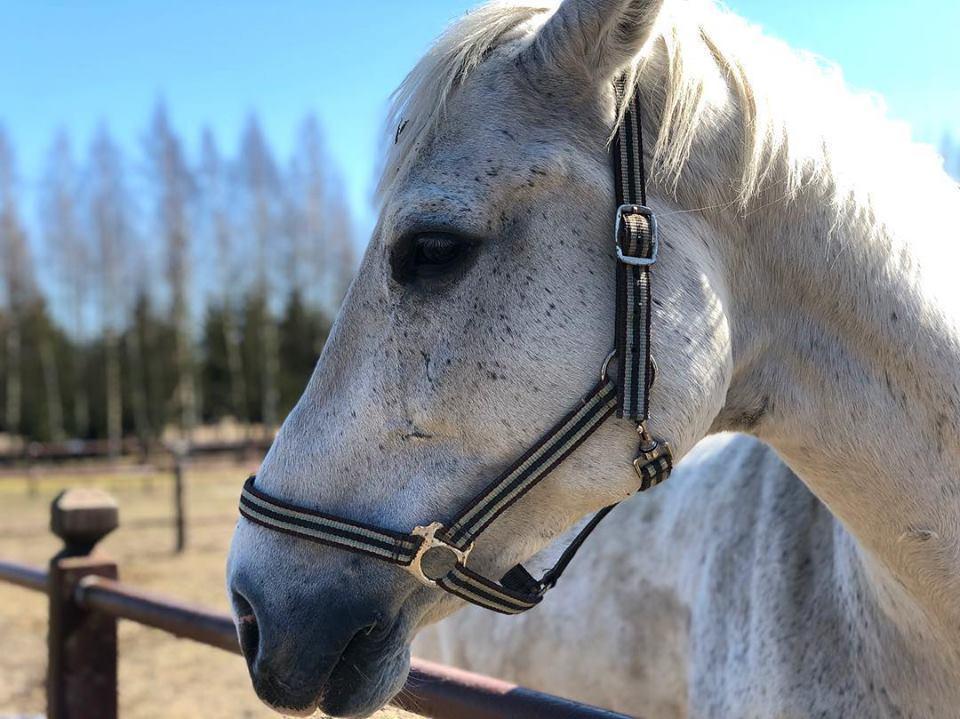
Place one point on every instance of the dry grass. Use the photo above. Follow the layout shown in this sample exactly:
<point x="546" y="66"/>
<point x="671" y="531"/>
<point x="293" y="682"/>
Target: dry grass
<point x="160" y="676"/>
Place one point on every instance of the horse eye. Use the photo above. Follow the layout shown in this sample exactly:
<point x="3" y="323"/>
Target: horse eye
<point x="430" y="255"/>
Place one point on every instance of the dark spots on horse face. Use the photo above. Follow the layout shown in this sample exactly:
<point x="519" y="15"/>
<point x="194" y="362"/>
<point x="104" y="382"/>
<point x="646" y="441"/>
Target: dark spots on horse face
<point x="889" y="383"/>
<point x="427" y="365"/>
<point x="941" y="423"/>
<point x="489" y="373"/>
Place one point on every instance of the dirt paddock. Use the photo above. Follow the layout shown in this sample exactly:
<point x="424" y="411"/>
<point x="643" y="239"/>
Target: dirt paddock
<point x="160" y="676"/>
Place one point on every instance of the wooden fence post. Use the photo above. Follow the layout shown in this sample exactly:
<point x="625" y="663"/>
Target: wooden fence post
<point x="179" y="509"/>
<point x="82" y="645"/>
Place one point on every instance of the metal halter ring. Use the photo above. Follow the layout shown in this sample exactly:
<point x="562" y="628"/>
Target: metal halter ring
<point x="613" y="353"/>
<point x="433" y="550"/>
<point x="606" y="365"/>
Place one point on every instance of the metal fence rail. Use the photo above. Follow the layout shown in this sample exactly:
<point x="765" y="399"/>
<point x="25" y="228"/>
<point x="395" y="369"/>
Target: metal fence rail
<point x="86" y="600"/>
<point x="23" y="575"/>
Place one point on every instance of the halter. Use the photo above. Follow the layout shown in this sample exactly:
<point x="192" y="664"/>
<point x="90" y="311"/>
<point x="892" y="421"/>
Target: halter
<point x="437" y="554"/>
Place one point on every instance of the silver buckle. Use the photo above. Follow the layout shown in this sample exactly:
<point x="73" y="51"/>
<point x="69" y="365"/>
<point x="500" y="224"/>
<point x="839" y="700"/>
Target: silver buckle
<point x="430" y="541"/>
<point x="654" y="235"/>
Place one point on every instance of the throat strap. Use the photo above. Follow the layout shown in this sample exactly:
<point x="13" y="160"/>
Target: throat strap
<point x="637" y="248"/>
<point x="437" y="555"/>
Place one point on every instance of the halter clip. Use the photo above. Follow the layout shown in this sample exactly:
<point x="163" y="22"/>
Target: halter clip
<point x="437" y="566"/>
<point x="654" y="459"/>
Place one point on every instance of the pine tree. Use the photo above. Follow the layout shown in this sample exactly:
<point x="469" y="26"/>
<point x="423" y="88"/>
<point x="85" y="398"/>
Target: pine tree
<point x="216" y="374"/>
<point x="13" y="250"/>
<point x="302" y="331"/>
<point x="255" y="316"/>
<point x="42" y="343"/>
<point x="135" y="368"/>
<point x="154" y="337"/>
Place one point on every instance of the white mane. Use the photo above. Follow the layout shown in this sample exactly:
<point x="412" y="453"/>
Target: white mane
<point x="798" y="122"/>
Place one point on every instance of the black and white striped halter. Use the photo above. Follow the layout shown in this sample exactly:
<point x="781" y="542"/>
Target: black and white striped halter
<point x="437" y="554"/>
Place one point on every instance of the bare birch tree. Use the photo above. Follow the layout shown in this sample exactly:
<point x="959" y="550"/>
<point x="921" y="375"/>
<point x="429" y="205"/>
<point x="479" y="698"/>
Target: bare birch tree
<point x="68" y="251"/>
<point x="216" y="211"/>
<point x="174" y="187"/>
<point x="110" y="230"/>
<point x="261" y="188"/>
<point x="308" y="197"/>
<point x="324" y="244"/>
<point x="343" y="253"/>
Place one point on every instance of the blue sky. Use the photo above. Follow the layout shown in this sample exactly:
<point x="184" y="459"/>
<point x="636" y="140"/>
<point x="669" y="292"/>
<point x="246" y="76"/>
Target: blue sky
<point x="72" y="63"/>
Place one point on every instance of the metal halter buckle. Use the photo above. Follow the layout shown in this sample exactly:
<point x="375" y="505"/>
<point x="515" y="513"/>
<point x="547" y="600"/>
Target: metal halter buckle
<point x="628" y="209"/>
<point x="437" y="566"/>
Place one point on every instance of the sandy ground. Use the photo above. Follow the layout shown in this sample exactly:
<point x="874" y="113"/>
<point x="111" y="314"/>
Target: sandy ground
<point x="160" y="676"/>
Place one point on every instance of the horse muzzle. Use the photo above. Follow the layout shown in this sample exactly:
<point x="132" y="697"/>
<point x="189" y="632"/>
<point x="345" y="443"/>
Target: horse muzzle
<point x="338" y="649"/>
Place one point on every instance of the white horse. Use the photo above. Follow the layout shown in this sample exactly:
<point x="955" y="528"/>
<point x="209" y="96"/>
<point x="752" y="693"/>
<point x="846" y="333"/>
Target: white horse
<point x="805" y="293"/>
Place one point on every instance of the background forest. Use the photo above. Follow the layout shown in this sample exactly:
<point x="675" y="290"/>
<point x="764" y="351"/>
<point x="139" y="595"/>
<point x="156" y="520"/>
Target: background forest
<point x="169" y="288"/>
<point x="179" y="287"/>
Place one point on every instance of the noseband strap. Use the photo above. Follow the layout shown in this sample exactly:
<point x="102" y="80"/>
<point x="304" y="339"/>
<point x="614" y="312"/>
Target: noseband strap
<point x="437" y="555"/>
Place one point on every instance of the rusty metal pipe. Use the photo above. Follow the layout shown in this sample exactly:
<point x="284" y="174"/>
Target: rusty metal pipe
<point x="23" y="575"/>
<point x="439" y="691"/>
<point x="432" y="690"/>
<point x="177" y="618"/>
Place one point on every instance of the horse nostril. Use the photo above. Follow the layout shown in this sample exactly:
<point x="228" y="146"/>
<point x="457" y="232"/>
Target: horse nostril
<point x="247" y="628"/>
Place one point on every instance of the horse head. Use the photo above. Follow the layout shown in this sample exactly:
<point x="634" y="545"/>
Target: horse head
<point x="482" y="310"/>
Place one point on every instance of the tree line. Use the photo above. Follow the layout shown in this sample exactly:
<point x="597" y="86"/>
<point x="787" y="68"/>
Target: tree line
<point x="158" y="290"/>
<point x="164" y="290"/>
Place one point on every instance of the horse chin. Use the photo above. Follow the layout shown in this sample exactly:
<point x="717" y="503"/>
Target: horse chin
<point x="352" y="692"/>
<point x="361" y="685"/>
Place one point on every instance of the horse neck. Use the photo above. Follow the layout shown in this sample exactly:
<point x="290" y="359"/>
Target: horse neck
<point x="847" y="361"/>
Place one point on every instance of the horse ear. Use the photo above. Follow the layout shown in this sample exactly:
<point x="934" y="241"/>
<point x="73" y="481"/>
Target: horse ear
<point x="595" y="38"/>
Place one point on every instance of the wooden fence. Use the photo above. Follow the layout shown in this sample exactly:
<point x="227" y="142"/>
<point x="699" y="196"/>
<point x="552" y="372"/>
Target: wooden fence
<point x="86" y="600"/>
<point x="89" y="449"/>
<point x="79" y="460"/>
